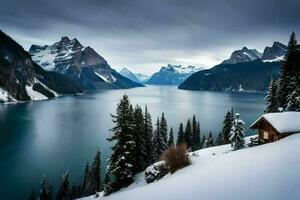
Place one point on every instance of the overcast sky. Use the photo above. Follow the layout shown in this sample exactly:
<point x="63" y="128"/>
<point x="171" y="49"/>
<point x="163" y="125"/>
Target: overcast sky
<point x="143" y="35"/>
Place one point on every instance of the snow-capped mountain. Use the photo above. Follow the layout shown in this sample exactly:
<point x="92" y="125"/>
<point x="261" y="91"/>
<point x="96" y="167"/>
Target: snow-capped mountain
<point x="143" y="77"/>
<point x="136" y="77"/>
<point x="274" y="53"/>
<point x="22" y="80"/>
<point x="82" y="64"/>
<point x="172" y="75"/>
<point x="128" y="74"/>
<point x="243" y="55"/>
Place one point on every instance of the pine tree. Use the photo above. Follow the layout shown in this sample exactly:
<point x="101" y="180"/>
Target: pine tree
<point x="148" y="131"/>
<point x="140" y="140"/>
<point x="271" y="98"/>
<point x="294" y="101"/>
<point x="49" y="192"/>
<point x="79" y="191"/>
<point x="159" y="145"/>
<point x="32" y="195"/>
<point x="106" y="179"/>
<point x="164" y="128"/>
<point x="210" y="140"/>
<point x="180" y="135"/>
<point x="237" y="133"/>
<point x="43" y="190"/>
<point x="193" y="133"/>
<point x="227" y="123"/>
<point x="121" y="160"/>
<point x="196" y="137"/>
<point x="73" y="192"/>
<point x="289" y="74"/>
<point x="63" y="192"/>
<point x="219" y="140"/>
<point x="107" y="185"/>
<point x="188" y="134"/>
<point x="171" y="138"/>
<point x="292" y="46"/>
<point x="203" y="142"/>
<point x="86" y="185"/>
<point x="95" y="174"/>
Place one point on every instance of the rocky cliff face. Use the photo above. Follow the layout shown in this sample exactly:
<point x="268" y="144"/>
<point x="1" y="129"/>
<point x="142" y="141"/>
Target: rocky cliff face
<point x="21" y="79"/>
<point x="243" y="55"/>
<point x="276" y="52"/>
<point x="82" y="64"/>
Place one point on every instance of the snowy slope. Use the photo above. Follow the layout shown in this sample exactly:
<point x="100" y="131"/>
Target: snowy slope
<point x="266" y="172"/>
<point x="128" y="74"/>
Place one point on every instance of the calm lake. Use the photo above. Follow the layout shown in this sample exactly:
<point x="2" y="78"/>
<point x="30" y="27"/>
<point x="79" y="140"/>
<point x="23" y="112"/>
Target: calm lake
<point x="51" y="137"/>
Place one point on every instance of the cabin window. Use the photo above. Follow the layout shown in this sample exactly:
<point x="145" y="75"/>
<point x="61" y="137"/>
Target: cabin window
<point x="266" y="135"/>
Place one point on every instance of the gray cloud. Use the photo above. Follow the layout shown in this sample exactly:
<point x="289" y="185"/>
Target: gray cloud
<point x="143" y="34"/>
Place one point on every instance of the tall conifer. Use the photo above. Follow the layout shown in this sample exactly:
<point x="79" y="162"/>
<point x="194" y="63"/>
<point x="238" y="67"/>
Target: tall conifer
<point x="148" y="131"/>
<point x="180" y="135"/>
<point x="171" y="138"/>
<point x="121" y="160"/>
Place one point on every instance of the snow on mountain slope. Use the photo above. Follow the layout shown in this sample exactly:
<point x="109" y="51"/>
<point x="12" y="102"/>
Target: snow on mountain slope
<point x="5" y="96"/>
<point x="274" y="53"/>
<point x="277" y="59"/>
<point x="128" y="74"/>
<point x="172" y="75"/>
<point x="266" y="172"/>
<point x="142" y="77"/>
<point x="81" y="64"/>
<point x="243" y="55"/>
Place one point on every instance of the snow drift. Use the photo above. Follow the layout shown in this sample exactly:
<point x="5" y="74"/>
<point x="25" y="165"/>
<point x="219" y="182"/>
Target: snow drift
<point x="269" y="171"/>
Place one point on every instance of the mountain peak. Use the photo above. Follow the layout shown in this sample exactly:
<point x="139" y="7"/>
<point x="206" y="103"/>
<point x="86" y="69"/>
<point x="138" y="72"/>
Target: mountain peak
<point x="274" y="53"/>
<point x="125" y="70"/>
<point x="243" y="55"/>
<point x="65" y="39"/>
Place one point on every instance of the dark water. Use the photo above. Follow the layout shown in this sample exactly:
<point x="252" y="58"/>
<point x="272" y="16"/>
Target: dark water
<point x="50" y="137"/>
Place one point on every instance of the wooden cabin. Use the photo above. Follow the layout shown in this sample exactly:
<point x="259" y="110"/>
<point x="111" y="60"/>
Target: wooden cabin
<point x="274" y="126"/>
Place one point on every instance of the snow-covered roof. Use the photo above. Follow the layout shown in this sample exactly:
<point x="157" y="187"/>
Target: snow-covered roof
<point x="284" y="122"/>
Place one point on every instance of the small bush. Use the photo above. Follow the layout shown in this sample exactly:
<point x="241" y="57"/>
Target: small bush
<point x="176" y="157"/>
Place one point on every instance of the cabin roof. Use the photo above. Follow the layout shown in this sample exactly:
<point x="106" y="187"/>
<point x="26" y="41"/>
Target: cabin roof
<point x="284" y="122"/>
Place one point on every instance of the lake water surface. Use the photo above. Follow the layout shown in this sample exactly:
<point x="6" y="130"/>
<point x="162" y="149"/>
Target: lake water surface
<point x="50" y="137"/>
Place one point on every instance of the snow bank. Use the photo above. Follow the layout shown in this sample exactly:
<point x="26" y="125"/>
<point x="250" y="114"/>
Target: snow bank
<point x="5" y="96"/>
<point x="269" y="171"/>
<point x="34" y="95"/>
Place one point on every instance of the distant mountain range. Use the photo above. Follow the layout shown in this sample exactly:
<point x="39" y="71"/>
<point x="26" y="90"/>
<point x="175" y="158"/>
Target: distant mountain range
<point x="136" y="77"/>
<point x="81" y="64"/>
<point x="245" y="70"/>
<point x="21" y="79"/>
<point x="172" y="75"/>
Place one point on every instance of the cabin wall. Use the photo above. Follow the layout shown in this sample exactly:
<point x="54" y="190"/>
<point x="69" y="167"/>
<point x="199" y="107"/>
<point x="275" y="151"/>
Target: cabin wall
<point x="266" y="133"/>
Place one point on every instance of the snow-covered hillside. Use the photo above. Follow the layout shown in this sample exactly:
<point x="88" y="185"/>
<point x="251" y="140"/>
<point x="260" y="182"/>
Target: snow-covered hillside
<point x="269" y="171"/>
